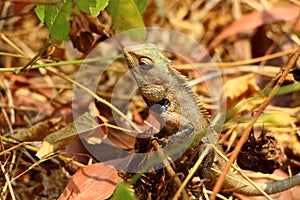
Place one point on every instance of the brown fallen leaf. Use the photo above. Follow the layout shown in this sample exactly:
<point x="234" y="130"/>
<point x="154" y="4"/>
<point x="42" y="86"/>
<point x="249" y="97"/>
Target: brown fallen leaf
<point x="255" y="19"/>
<point x="61" y="138"/>
<point x="240" y="88"/>
<point x="96" y="181"/>
<point x="40" y="130"/>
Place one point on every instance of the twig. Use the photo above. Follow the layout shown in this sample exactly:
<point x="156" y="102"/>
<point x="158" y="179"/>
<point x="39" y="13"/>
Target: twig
<point x="32" y="148"/>
<point x="133" y="125"/>
<point x="242" y="174"/>
<point x="192" y="172"/>
<point x="169" y="169"/>
<point x="8" y="41"/>
<point x="235" y="63"/>
<point x="8" y="182"/>
<point x="244" y="137"/>
<point x="16" y="70"/>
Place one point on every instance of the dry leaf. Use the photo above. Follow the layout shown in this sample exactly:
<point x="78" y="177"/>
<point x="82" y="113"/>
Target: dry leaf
<point x="96" y="181"/>
<point x="248" y="105"/>
<point x="240" y="88"/>
<point x="255" y="19"/>
<point x="61" y="138"/>
<point x="40" y="130"/>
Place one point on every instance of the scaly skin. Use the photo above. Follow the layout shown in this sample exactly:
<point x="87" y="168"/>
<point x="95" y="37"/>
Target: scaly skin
<point x="164" y="86"/>
<point x="176" y="107"/>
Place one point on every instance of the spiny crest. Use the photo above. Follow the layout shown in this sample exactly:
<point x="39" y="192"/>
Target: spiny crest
<point x="203" y="110"/>
<point x="183" y="80"/>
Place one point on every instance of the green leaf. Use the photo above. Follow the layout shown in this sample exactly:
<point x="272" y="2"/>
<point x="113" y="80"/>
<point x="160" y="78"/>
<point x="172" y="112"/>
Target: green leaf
<point x="123" y="192"/>
<point x="141" y="5"/>
<point x="100" y="5"/>
<point x="56" y="18"/>
<point x="40" y="12"/>
<point x="125" y="16"/>
<point x="85" y="5"/>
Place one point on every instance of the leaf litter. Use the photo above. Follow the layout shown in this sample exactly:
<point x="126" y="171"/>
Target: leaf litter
<point x="38" y="103"/>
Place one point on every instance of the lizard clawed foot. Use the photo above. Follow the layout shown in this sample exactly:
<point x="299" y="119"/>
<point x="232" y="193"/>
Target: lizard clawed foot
<point x="183" y="135"/>
<point x="143" y="140"/>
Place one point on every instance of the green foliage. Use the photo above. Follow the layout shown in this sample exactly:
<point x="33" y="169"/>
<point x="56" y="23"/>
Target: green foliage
<point x="141" y="5"/>
<point x="126" y="15"/>
<point x="85" y="5"/>
<point x="123" y="192"/>
<point x="100" y="5"/>
<point x="57" y="17"/>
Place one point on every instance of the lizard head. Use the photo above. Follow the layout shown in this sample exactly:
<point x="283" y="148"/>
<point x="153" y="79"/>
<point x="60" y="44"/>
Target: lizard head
<point x="149" y="68"/>
<point x="144" y="54"/>
<point x="148" y="65"/>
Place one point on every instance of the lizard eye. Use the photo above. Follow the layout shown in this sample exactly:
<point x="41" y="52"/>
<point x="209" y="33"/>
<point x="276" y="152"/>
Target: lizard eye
<point x="145" y="63"/>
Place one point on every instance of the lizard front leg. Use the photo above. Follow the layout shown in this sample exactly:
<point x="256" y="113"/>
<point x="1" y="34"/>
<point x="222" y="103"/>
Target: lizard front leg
<point x="183" y="138"/>
<point x="183" y="127"/>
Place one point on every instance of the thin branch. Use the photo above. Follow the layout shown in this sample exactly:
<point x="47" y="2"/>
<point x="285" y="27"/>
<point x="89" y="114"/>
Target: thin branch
<point x="261" y="109"/>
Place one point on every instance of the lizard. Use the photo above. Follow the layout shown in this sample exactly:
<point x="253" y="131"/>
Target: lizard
<point x="182" y="116"/>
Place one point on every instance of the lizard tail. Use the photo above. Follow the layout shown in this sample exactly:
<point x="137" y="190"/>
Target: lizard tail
<point x="236" y="183"/>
